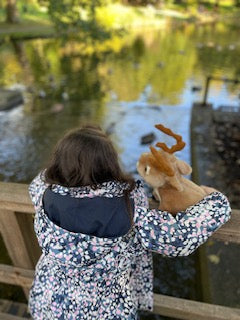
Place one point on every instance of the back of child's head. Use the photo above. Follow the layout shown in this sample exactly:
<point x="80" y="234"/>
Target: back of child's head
<point x="85" y="156"/>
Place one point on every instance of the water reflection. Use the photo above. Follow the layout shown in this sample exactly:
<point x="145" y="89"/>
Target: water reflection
<point x="140" y="80"/>
<point x="65" y="86"/>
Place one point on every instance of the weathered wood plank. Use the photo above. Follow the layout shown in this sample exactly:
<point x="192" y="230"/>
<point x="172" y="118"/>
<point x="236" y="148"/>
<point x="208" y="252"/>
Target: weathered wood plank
<point x="4" y="305"/>
<point x="14" y="241"/>
<point x="14" y="308"/>
<point x="5" y="316"/>
<point x="192" y="310"/>
<point x="15" y="197"/>
<point x="25" y="222"/>
<point x="163" y="305"/>
<point x="16" y="276"/>
<point x="230" y="232"/>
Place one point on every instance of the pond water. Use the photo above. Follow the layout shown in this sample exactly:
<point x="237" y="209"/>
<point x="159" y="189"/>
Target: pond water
<point x="145" y="78"/>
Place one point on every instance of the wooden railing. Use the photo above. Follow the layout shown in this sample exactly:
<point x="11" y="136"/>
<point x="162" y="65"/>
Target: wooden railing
<point x="16" y="225"/>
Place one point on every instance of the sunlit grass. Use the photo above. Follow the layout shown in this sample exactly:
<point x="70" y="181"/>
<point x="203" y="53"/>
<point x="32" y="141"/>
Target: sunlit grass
<point x="117" y="16"/>
<point x="35" y="21"/>
<point x="30" y="12"/>
<point x="44" y="20"/>
<point x="26" y="29"/>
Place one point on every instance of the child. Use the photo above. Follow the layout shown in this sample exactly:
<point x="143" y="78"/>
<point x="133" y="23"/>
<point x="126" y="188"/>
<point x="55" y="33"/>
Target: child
<point x="96" y="233"/>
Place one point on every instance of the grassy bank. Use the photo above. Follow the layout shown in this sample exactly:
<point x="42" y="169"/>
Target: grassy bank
<point x="35" y="22"/>
<point x="26" y="29"/>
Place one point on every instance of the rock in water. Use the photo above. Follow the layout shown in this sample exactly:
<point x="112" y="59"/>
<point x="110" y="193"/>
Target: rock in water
<point x="57" y="107"/>
<point x="110" y="128"/>
<point x="65" y="96"/>
<point x="148" y="138"/>
<point x="10" y="99"/>
<point x="42" y="94"/>
<point x="196" y="88"/>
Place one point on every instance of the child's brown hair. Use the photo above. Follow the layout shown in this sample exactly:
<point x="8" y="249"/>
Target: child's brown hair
<point x="86" y="157"/>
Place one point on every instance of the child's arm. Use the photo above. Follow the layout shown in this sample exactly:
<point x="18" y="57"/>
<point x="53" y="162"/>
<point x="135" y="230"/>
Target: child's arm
<point x="181" y="235"/>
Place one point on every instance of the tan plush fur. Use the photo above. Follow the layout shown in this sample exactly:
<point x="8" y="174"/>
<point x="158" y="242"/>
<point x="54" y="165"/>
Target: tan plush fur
<point x="164" y="172"/>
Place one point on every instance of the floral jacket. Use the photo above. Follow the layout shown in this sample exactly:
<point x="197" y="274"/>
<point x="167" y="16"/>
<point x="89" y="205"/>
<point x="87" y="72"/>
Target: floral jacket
<point x="83" y="277"/>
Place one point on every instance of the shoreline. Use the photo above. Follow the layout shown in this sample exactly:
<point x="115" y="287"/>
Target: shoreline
<point x="139" y="18"/>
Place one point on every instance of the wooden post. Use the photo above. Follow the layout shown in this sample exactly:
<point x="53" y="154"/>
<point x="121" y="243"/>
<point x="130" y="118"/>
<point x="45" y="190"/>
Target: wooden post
<point x="25" y="222"/>
<point x="204" y="103"/>
<point x="5" y="316"/>
<point x="14" y="242"/>
<point x="178" y="308"/>
<point x="16" y="276"/>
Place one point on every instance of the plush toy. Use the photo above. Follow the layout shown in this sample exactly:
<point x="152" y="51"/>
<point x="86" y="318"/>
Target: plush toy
<point x="164" y="172"/>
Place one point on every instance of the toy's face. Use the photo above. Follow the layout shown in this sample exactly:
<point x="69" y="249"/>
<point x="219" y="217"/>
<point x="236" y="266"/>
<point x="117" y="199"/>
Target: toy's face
<point x="149" y="172"/>
<point x="161" y="167"/>
<point x="153" y="173"/>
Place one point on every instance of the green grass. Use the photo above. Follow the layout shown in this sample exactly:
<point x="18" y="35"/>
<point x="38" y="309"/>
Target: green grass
<point x="32" y="12"/>
<point x="35" y="22"/>
<point x="117" y="16"/>
<point x="26" y="29"/>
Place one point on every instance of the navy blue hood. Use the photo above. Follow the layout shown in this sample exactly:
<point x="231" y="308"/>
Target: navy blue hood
<point x="97" y="216"/>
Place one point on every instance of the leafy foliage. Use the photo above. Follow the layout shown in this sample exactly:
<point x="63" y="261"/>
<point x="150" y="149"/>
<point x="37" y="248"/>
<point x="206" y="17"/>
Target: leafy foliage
<point x="78" y="16"/>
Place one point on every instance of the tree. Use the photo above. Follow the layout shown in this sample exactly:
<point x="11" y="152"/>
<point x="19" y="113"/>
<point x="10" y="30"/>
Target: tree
<point x="77" y="16"/>
<point x="237" y="3"/>
<point x="12" y="12"/>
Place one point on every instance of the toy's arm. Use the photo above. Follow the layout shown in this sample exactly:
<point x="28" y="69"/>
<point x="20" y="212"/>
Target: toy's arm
<point x="208" y="190"/>
<point x="181" y="235"/>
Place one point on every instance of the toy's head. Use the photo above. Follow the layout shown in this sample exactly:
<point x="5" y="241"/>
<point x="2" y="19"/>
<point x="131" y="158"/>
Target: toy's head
<point x="161" y="168"/>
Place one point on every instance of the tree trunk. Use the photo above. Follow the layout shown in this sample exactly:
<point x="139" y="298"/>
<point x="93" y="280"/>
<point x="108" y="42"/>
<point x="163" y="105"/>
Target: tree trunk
<point x="12" y="13"/>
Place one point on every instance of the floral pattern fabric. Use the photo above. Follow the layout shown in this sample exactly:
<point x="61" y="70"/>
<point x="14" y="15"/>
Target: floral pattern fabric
<point x="83" y="277"/>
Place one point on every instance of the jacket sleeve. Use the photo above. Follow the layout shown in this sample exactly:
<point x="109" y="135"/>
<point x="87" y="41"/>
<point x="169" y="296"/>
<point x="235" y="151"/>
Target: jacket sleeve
<point x="181" y="235"/>
<point x="37" y="188"/>
<point x="139" y="196"/>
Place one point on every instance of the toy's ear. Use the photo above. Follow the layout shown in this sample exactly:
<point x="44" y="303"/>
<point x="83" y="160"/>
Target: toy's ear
<point x="183" y="167"/>
<point x="174" y="182"/>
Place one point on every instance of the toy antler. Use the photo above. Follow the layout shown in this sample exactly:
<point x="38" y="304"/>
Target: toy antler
<point x="161" y="163"/>
<point x="178" y="146"/>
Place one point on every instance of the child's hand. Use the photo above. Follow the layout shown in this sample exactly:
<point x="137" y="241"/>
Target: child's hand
<point x="208" y="190"/>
